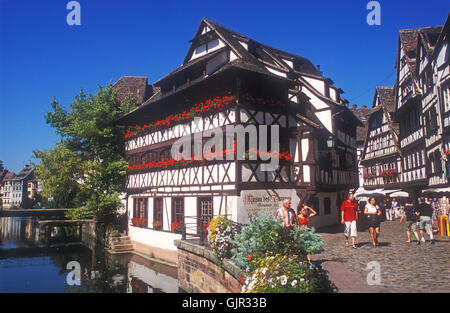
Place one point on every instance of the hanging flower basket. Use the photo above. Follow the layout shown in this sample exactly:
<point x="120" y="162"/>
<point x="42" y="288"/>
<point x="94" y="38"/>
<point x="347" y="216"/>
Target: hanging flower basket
<point x="369" y="176"/>
<point x="198" y="109"/>
<point x="389" y="173"/>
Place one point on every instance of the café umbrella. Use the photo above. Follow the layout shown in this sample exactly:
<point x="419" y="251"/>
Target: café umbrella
<point x="370" y="193"/>
<point x="399" y="194"/>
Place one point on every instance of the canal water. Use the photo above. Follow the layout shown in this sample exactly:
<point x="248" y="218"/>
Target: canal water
<point x="36" y="256"/>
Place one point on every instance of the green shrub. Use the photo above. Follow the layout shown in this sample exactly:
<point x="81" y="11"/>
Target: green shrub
<point x="277" y="273"/>
<point x="265" y="234"/>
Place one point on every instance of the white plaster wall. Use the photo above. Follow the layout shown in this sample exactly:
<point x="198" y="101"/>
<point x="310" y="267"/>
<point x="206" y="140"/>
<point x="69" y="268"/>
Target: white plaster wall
<point x="325" y="118"/>
<point x="150" y="237"/>
<point x="322" y="220"/>
<point x="318" y="84"/>
<point x="216" y="62"/>
<point x="241" y="211"/>
<point x="244" y="45"/>
<point x="306" y="173"/>
<point x="274" y="71"/>
<point x="290" y="63"/>
<point x="212" y="46"/>
<point x="315" y="101"/>
<point x="305" y="148"/>
<point x="233" y="56"/>
<point x="333" y="94"/>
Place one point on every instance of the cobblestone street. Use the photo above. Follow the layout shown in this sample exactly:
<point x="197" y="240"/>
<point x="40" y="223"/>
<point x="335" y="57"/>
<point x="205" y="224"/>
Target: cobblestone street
<point x="404" y="267"/>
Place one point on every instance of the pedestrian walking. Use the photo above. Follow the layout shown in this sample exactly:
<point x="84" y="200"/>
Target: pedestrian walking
<point x="425" y="212"/>
<point x="286" y="213"/>
<point x="373" y="212"/>
<point x="409" y="213"/>
<point x="395" y="207"/>
<point x="435" y="209"/>
<point x="304" y="214"/>
<point x="389" y="215"/>
<point x="349" y="217"/>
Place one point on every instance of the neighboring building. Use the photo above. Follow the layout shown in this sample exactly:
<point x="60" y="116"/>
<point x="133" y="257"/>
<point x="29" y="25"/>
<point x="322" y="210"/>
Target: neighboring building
<point x="409" y="134"/>
<point x="421" y="108"/>
<point x="34" y="187"/>
<point x="228" y="79"/>
<point x="381" y="154"/>
<point x="15" y="189"/>
<point x="408" y="110"/>
<point x="5" y="189"/>
<point x="432" y="71"/>
<point x="361" y="132"/>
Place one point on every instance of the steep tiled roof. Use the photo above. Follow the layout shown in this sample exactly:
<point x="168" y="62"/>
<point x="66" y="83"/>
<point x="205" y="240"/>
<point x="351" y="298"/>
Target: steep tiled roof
<point x="429" y="37"/>
<point x="27" y="170"/>
<point x="386" y="97"/>
<point x="7" y="176"/>
<point x="408" y="38"/>
<point x="133" y="86"/>
<point x="255" y="57"/>
<point x="361" y="113"/>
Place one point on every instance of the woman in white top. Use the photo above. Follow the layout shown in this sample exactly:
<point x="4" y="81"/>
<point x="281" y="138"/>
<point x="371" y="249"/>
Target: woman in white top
<point x="373" y="212"/>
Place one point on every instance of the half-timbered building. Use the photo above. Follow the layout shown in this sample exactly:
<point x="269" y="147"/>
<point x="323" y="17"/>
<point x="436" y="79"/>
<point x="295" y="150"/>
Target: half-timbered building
<point x="408" y="104"/>
<point x="361" y="133"/>
<point x="228" y="79"/>
<point x="381" y="154"/>
<point x="433" y="74"/>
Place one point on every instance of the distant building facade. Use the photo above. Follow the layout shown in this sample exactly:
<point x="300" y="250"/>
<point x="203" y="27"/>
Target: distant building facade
<point x="411" y="133"/>
<point x="16" y="189"/>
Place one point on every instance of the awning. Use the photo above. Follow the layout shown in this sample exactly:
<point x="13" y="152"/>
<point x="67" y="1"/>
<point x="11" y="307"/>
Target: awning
<point x="437" y="190"/>
<point x="400" y="194"/>
<point x="370" y="193"/>
<point x="388" y="191"/>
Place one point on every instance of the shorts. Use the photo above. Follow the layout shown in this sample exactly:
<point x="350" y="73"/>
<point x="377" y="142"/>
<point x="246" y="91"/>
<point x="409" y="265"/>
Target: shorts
<point x="412" y="226"/>
<point x="373" y="220"/>
<point x="424" y="222"/>
<point x="350" y="229"/>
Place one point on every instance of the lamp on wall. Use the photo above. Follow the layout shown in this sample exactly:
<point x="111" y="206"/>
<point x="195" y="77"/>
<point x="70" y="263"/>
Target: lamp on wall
<point x="331" y="141"/>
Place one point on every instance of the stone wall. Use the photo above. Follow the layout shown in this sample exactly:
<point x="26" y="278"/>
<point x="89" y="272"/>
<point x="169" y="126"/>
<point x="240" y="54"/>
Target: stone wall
<point x="198" y="272"/>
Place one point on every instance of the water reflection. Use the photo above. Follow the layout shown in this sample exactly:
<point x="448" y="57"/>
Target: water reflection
<point x="34" y="256"/>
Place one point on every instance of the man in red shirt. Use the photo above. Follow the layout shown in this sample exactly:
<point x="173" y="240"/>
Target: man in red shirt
<point x="349" y="217"/>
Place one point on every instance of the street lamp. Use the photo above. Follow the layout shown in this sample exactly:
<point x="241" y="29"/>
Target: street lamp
<point x="330" y="141"/>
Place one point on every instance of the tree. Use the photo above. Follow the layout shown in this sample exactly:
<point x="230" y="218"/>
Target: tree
<point x="60" y="170"/>
<point x="89" y="159"/>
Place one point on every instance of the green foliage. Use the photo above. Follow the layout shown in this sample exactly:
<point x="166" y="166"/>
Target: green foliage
<point x="264" y="234"/>
<point x="274" y="257"/>
<point x="58" y="171"/>
<point x="86" y="170"/>
<point x="277" y="273"/>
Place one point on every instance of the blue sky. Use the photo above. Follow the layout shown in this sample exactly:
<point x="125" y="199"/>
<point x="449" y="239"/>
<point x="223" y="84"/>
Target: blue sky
<point x="42" y="57"/>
